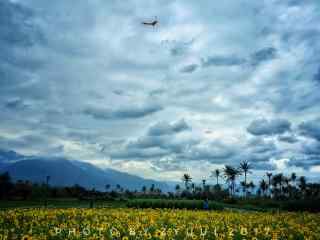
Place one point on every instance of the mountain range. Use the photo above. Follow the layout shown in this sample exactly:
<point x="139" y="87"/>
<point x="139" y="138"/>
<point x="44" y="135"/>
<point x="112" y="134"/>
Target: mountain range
<point x="64" y="172"/>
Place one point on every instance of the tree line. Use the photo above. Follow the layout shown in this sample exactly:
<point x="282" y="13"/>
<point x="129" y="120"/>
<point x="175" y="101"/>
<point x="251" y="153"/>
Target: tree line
<point x="276" y="185"/>
<point x="229" y="182"/>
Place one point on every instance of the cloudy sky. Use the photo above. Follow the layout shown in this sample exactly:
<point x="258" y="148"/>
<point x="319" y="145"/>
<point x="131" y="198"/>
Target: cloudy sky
<point x="212" y="84"/>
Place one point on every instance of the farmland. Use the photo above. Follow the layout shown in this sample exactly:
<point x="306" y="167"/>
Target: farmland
<point x="129" y="223"/>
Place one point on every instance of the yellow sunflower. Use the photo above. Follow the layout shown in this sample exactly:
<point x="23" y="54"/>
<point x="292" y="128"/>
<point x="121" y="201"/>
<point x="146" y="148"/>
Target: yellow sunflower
<point x="26" y="237"/>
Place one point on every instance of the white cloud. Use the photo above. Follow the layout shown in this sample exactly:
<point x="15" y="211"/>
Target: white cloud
<point x="218" y="66"/>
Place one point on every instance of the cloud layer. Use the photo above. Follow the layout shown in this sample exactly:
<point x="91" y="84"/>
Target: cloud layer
<point x="213" y="84"/>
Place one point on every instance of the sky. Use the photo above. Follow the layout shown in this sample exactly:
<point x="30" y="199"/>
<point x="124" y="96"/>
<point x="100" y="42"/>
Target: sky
<point x="211" y="85"/>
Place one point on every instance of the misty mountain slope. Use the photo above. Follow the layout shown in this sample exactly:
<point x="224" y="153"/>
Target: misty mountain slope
<point x="7" y="157"/>
<point x="61" y="172"/>
<point x="64" y="172"/>
<point x="124" y="179"/>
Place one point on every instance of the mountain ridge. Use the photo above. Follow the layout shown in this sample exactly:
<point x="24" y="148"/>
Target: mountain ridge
<point x="65" y="172"/>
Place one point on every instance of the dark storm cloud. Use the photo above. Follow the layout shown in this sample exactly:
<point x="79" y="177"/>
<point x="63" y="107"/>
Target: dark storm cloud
<point x="255" y="151"/>
<point x="159" y="140"/>
<point x="18" y="33"/>
<point x="165" y="128"/>
<point x="122" y="113"/>
<point x="312" y="148"/>
<point x="296" y="2"/>
<point x="263" y="55"/>
<point x="167" y="144"/>
<point x="138" y="154"/>
<point x="317" y="76"/>
<point x="311" y="129"/>
<point x="269" y="127"/>
<point x="10" y="76"/>
<point x="215" y="152"/>
<point x="40" y="143"/>
<point x="222" y="61"/>
<point x="258" y="150"/>
<point x="305" y="161"/>
<point x="167" y="164"/>
<point x="189" y="68"/>
<point x="259" y="145"/>
<point x="163" y="135"/>
<point x="16" y="104"/>
<point x="17" y="30"/>
<point x="14" y="26"/>
<point x="147" y="142"/>
<point x="288" y="138"/>
<point x="264" y="166"/>
<point x="59" y="59"/>
<point x="119" y="92"/>
<point x="178" y="48"/>
<point x="258" y="57"/>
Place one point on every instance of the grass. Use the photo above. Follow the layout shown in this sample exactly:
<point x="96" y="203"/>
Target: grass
<point x="59" y="203"/>
<point x="239" y="205"/>
<point x="176" y="204"/>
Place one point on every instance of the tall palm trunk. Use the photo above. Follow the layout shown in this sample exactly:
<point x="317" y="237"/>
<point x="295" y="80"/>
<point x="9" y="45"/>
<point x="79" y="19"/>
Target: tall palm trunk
<point x="269" y="185"/>
<point x="245" y="183"/>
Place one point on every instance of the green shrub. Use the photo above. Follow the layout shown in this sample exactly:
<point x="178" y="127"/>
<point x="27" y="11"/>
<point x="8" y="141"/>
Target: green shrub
<point x="301" y="205"/>
<point x="174" y="204"/>
<point x="230" y="200"/>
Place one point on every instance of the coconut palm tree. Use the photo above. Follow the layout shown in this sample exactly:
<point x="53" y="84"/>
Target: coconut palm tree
<point x="269" y="175"/>
<point x="216" y="174"/>
<point x="287" y="187"/>
<point x="251" y="185"/>
<point x="245" y="168"/>
<point x="152" y="188"/>
<point x="204" y="184"/>
<point x="302" y="185"/>
<point x="231" y="173"/>
<point x="293" y="178"/>
<point x="186" y="178"/>
<point x="243" y="185"/>
<point x="193" y="187"/>
<point x="263" y="186"/>
<point x="278" y="179"/>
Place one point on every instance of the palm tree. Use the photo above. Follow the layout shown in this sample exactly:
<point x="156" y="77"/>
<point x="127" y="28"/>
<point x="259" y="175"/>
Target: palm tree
<point x="293" y="178"/>
<point x="177" y="188"/>
<point x="263" y="186"/>
<point x="107" y="187"/>
<point x="251" y="185"/>
<point x="193" y="187"/>
<point x="203" y="184"/>
<point x="269" y="175"/>
<point x="287" y="187"/>
<point x="152" y="188"/>
<point x="231" y="174"/>
<point x="302" y="185"/>
<point x="245" y="168"/>
<point x="278" y="179"/>
<point x="144" y="189"/>
<point x="186" y="178"/>
<point x="216" y="174"/>
<point x="243" y="185"/>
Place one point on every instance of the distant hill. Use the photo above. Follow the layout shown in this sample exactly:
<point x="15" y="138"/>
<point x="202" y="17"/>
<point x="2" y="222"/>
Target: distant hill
<point x="7" y="157"/>
<point x="65" y="172"/>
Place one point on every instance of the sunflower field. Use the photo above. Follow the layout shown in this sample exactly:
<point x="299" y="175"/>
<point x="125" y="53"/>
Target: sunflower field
<point x="127" y="223"/>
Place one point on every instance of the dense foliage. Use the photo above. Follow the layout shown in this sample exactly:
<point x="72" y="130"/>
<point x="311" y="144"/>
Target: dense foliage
<point x="58" y="224"/>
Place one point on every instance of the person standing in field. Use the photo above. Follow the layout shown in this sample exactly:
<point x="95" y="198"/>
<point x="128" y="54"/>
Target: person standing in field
<point x="206" y="204"/>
